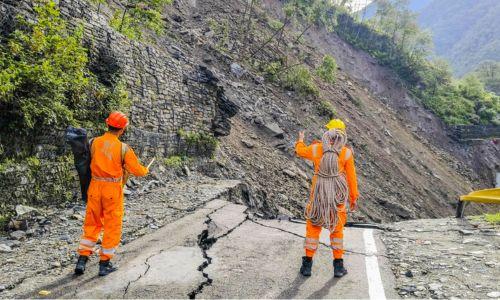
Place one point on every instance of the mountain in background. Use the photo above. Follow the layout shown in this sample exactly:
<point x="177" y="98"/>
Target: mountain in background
<point x="465" y="32"/>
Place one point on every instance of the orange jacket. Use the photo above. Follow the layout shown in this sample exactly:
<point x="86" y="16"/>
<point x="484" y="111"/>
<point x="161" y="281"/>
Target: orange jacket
<point x="314" y="153"/>
<point x="106" y="160"/>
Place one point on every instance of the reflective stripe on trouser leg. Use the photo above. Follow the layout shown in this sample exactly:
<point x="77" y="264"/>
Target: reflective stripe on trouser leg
<point x="86" y="245"/>
<point x="311" y="244"/>
<point x="337" y="245"/>
<point x="107" y="253"/>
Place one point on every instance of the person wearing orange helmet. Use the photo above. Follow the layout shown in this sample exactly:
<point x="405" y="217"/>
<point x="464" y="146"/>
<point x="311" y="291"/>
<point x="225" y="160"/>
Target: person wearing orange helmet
<point x="334" y="184"/>
<point x="110" y="159"/>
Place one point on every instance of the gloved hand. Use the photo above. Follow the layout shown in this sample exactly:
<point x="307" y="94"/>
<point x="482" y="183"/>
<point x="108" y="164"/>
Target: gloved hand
<point x="301" y="136"/>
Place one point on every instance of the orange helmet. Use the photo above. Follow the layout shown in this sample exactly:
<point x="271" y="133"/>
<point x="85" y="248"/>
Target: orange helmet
<point x="117" y="119"/>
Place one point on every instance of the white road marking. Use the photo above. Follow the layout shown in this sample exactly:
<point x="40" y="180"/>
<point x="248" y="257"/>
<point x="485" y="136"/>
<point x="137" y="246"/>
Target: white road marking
<point x="375" y="286"/>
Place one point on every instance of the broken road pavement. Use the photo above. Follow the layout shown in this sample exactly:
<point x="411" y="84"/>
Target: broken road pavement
<point x="220" y="250"/>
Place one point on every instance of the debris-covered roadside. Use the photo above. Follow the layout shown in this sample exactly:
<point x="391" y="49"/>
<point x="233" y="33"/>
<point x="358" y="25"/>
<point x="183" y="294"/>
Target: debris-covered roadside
<point x="445" y="258"/>
<point x="41" y="242"/>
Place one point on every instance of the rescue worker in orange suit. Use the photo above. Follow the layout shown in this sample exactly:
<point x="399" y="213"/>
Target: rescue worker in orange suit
<point x="110" y="159"/>
<point x="334" y="186"/>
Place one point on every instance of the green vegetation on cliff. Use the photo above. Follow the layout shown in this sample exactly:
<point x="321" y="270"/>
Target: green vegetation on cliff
<point x="394" y="38"/>
<point x="45" y="82"/>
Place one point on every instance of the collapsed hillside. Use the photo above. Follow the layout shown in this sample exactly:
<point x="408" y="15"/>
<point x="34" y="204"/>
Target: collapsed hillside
<point x="196" y="78"/>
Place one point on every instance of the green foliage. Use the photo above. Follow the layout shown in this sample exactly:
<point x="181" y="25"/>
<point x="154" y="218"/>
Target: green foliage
<point x="328" y="69"/>
<point x="488" y="73"/>
<point x="43" y="72"/>
<point x="275" y="24"/>
<point x="6" y="164"/>
<point x="200" y="142"/>
<point x="325" y="108"/>
<point x="176" y="161"/>
<point x="300" y="79"/>
<point x="221" y="33"/>
<point x="45" y="83"/>
<point x="319" y="12"/>
<point x="492" y="218"/>
<point x="394" y="38"/>
<point x="140" y="14"/>
<point x="272" y="70"/>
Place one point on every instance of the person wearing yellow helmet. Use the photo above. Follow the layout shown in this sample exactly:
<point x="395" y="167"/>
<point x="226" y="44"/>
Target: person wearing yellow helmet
<point x="334" y="184"/>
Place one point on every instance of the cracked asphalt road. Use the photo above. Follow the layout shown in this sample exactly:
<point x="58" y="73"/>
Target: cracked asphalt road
<point x="221" y="251"/>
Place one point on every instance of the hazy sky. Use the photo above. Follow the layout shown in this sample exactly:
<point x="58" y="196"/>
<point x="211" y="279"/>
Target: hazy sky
<point x="359" y="4"/>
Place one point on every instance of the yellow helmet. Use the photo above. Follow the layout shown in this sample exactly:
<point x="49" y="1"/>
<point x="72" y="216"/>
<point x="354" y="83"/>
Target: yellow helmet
<point x="336" y="124"/>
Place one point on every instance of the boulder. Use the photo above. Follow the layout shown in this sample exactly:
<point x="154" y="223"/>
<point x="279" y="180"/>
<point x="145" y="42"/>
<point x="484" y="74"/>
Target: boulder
<point x="237" y="70"/>
<point x="275" y="130"/>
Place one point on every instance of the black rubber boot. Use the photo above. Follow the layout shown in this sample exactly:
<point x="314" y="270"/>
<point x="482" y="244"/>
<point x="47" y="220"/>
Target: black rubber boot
<point x="106" y="267"/>
<point x="80" y="264"/>
<point x="338" y="268"/>
<point x="307" y="263"/>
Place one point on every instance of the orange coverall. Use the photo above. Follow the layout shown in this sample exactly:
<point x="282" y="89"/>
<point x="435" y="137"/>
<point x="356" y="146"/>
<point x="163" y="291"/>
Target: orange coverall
<point x="314" y="153"/>
<point x="105" y="194"/>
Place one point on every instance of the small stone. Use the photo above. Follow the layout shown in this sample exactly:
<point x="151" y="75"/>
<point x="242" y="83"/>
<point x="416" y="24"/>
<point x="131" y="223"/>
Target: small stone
<point x="275" y="130"/>
<point x="18" y="235"/>
<point x="466" y="232"/>
<point x="237" y="70"/>
<point x="259" y="80"/>
<point x="409" y="273"/>
<point x="65" y="237"/>
<point x="490" y="264"/>
<point x="427" y="243"/>
<point x="2" y="288"/>
<point x="55" y="264"/>
<point x="153" y="226"/>
<point x="186" y="171"/>
<point x="23" y="209"/>
<point x="493" y="294"/>
<point x="247" y="144"/>
<point x="5" y="249"/>
<point x="76" y="217"/>
<point x="126" y="191"/>
<point x="289" y="173"/>
<point x="435" y="286"/>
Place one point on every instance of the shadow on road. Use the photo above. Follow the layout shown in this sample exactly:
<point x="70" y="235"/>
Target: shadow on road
<point x="59" y="288"/>
<point x="325" y="290"/>
<point x="294" y="288"/>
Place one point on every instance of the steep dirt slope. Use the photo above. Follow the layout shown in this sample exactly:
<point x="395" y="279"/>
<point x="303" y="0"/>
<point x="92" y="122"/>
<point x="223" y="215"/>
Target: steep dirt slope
<point x="402" y="175"/>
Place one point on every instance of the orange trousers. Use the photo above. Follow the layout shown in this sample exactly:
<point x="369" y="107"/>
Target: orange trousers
<point x="336" y="236"/>
<point x="104" y="213"/>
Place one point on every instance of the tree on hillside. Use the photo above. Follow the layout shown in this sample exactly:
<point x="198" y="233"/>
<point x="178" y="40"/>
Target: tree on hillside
<point x="137" y="14"/>
<point x="488" y="73"/>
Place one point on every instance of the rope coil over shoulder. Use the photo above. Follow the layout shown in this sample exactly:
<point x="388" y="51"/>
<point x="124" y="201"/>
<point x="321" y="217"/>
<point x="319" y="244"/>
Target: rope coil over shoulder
<point x="330" y="190"/>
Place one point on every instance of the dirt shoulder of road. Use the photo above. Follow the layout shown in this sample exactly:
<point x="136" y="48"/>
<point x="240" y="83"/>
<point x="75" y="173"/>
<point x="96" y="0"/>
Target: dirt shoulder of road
<point x="445" y="258"/>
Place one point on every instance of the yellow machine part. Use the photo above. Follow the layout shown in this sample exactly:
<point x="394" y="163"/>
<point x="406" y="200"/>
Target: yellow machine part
<point x="483" y="196"/>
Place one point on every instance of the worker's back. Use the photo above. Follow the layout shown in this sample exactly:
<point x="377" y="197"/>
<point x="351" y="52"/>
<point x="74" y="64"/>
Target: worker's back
<point x="107" y="157"/>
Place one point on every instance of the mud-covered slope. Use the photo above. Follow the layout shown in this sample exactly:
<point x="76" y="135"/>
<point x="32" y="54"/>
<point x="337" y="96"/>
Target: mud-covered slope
<point x="401" y="173"/>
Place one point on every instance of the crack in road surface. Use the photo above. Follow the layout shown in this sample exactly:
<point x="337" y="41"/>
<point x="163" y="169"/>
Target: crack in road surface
<point x="302" y="237"/>
<point x="205" y="242"/>
<point x="146" y="262"/>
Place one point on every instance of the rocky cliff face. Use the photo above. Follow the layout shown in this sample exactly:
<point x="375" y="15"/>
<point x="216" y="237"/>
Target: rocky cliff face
<point x="188" y="80"/>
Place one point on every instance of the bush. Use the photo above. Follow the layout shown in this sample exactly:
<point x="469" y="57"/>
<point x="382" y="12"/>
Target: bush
<point x="140" y="14"/>
<point x="272" y="70"/>
<point x="328" y="69"/>
<point x="325" y="108"/>
<point x="45" y="83"/>
<point x="200" y="142"/>
<point x="176" y="161"/>
<point x="43" y="72"/>
<point x="300" y="79"/>
<point x="275" y="24"/>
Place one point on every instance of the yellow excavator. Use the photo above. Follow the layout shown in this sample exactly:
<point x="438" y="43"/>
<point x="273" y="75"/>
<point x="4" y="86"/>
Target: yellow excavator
<point x="481" y="196"/>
